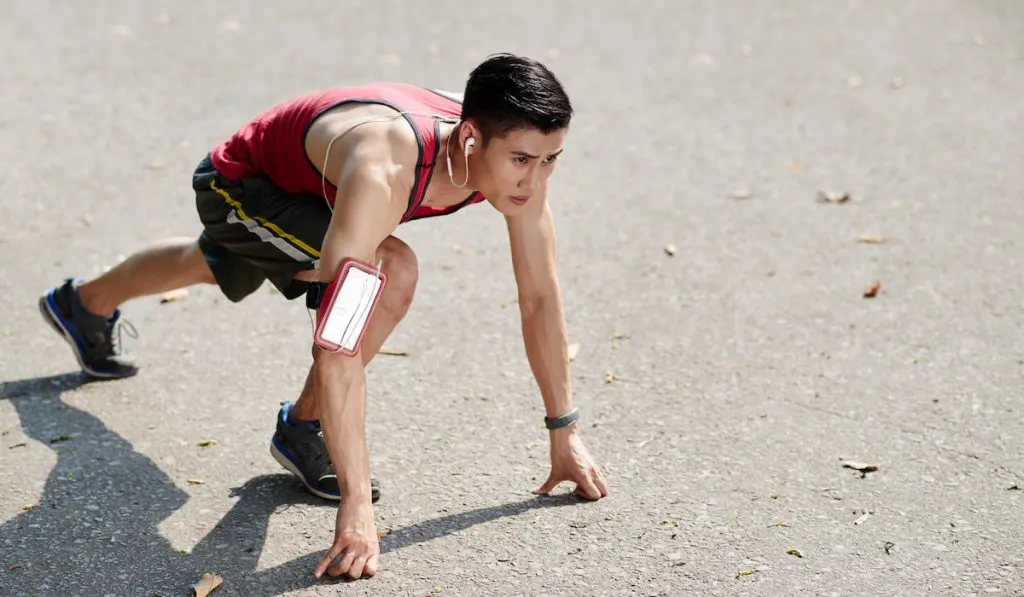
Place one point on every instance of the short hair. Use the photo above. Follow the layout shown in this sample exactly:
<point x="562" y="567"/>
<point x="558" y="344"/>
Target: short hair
<point x="508" y="92"/>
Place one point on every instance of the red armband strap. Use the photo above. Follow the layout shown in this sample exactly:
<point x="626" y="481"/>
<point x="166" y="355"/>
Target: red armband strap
<point x="347" y="306"/>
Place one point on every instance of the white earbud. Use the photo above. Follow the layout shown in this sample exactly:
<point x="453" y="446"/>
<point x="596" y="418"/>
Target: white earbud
<point x="469" y="144"/>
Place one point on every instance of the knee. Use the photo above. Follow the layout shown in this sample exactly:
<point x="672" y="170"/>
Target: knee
<point x="195" y="262"/>
<point x="402" y="268"/>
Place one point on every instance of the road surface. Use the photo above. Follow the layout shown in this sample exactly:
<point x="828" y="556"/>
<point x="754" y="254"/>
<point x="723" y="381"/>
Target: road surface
<point x="722" y="386"/>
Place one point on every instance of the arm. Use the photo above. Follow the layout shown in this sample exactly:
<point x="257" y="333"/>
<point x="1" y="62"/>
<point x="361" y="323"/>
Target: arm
<point x="364" y="215"/>
<point x="532" y="240"/>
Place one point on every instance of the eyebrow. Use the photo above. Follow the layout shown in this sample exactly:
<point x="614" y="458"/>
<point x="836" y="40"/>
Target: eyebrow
<point x="535" y="156"/>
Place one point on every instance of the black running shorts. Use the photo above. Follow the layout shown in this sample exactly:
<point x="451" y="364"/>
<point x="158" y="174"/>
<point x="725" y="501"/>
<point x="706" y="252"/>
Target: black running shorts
<point x="253" y="231"/>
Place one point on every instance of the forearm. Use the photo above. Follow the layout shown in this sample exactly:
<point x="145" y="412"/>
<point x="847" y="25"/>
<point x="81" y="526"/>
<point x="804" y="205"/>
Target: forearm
<point x="545" y="337"/>
<point x="341" y="399"/>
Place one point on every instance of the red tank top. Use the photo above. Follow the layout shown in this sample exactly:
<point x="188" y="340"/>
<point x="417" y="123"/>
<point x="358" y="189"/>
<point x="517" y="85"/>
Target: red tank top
<point x="273" y="143"/>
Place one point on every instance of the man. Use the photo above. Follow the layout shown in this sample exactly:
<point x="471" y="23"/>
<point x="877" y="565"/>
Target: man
<point x="317" y="186"/>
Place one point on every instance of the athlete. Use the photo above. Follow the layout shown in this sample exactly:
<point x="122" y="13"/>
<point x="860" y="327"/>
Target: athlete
<point x="308" y="195"/>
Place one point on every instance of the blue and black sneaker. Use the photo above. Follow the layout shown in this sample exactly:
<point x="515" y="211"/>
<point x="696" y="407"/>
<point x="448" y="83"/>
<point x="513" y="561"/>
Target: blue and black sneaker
<point x="299" y="447"/>
<point x="95" y="340"/>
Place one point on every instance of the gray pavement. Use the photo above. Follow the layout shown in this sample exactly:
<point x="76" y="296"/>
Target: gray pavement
<point x="721" y="386"/>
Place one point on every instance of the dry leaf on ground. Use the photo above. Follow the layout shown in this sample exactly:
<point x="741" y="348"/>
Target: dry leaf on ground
<point x="381" y="533"/>
<point x="872" y="239"/>
<point x="670" y="249"/>
<point x="873" y="291"/>
<point x="574" y="349"/>
<point x="862" y="519"/>
<point x="204" y="443"/>
<point x="178" y="294"/>
<point x="833" y="197"/>
<point x="741" y="193"/>
<point x="207" y="583"/>
<point x="395" y="352"/>
<point x="745" y="572"/>
<point x="862" y="467"/>
<point x="795" y="552"/>
<point x="610" y="377"/>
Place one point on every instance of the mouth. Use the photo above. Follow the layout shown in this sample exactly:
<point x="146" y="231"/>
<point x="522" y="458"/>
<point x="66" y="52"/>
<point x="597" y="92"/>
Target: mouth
<point x="519" y="199"/>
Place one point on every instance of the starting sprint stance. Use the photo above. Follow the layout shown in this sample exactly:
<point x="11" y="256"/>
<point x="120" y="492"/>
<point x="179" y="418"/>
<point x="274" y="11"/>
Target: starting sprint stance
<point x="308" y="196"/>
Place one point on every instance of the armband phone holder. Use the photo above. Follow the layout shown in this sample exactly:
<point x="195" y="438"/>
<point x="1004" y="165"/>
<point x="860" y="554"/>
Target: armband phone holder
<point x="347" y="304"/>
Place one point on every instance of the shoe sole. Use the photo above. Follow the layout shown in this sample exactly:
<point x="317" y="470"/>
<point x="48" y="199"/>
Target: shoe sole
<point x="285" y="462"/>
<point x="49" y="312"/>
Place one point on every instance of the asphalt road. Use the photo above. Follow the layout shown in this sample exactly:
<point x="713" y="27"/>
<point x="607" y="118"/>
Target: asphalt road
<point x="721" y="386"/>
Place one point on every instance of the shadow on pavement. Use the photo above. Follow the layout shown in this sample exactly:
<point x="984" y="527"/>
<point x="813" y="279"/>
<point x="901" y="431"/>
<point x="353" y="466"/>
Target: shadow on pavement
<point x="298" y="573"/>
<point x="96" y="528"/>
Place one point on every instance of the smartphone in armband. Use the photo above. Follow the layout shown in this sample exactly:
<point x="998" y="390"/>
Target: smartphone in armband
<point x="347" y="306"/>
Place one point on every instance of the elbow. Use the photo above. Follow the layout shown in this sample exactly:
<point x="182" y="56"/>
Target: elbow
<point x="531" y="304"/>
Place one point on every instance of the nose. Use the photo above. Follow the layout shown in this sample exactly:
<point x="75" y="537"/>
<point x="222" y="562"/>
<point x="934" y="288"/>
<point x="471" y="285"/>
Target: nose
<point x="529" y="182"/>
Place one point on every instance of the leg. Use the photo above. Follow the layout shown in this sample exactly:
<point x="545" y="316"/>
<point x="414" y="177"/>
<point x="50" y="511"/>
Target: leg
<point x="87" y="314"/>
<point x="164" y="265"/>
<point x="298" y="424"/>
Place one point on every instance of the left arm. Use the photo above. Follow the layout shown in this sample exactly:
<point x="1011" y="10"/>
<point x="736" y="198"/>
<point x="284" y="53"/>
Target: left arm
<point x="532" y="240"/>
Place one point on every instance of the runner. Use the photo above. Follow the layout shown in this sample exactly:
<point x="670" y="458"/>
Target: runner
<point x="308" y="196"/>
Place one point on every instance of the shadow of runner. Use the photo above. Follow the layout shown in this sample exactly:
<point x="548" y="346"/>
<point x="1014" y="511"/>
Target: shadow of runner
<point x="298" y="573"/>
<point x="96" y="528"/>
<point x="94" y="531"/>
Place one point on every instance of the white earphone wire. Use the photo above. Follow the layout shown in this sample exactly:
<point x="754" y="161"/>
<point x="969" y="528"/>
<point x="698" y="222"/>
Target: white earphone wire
<point x="448" y="159"/>
<point x="327" y="152"/>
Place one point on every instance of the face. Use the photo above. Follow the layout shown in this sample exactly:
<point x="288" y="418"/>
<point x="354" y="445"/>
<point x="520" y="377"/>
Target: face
<point x="513" y="170"/>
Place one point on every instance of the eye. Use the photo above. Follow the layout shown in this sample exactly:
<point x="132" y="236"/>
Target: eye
<point x="550" y="159"/>
<point x="521" y="160"/>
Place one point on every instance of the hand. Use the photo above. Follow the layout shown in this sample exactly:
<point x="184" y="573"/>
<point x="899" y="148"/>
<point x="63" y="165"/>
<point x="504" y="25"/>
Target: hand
<point x="355" y="541"/>
<point x="570" y="461"/>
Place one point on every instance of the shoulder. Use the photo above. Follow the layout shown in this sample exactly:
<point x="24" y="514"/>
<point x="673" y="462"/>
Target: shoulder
<point x="386" y="147"/>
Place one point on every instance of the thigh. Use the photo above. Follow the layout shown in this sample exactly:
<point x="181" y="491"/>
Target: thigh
<point x="268" y="230"/>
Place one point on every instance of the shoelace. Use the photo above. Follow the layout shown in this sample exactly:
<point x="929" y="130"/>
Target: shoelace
<point x="122" y="326"/>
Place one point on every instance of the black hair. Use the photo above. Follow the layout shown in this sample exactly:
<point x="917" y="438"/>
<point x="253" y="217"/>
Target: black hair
<point x="508" y="92"/>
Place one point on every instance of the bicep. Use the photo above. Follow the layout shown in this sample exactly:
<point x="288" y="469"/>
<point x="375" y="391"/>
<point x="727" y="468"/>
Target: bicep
<point x="364" y="215"/>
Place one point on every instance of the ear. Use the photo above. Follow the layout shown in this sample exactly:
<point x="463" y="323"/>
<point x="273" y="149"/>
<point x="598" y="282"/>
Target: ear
<point x="469" y="137"/>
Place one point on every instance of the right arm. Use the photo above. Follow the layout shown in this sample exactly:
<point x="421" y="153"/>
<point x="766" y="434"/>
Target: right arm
<point x="364" y="215"/>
